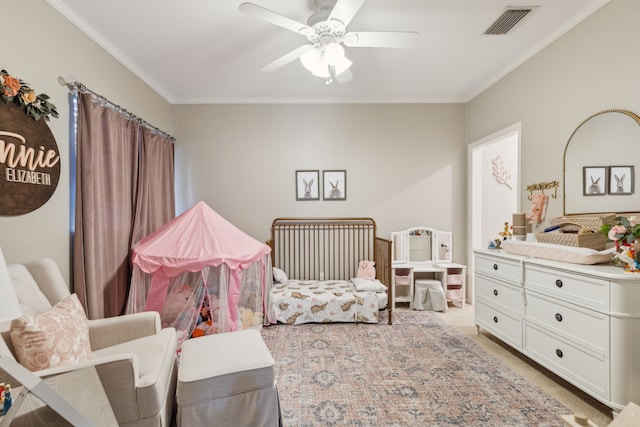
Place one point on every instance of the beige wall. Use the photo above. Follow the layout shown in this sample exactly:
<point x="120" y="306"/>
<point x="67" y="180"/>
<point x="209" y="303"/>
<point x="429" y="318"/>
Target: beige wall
<point x="594" y="67"/>
<point x="38" y="45"/>
<point x="405" y="163"/>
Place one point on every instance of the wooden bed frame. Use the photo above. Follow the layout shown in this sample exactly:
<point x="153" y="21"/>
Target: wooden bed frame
<point x="329" y="249"/>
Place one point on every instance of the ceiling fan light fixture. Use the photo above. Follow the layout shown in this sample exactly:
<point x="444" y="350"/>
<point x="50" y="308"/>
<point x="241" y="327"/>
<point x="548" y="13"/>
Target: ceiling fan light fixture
<point x="312" y="59"/>
<point x="333" y="53"/>
<point x="318" y="61"/>
<point x="342" y="65"/>
<point x="326" y="70"/>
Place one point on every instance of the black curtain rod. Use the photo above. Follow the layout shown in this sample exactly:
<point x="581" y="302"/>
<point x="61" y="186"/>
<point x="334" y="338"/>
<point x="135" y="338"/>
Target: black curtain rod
<point x="79" y="87"/>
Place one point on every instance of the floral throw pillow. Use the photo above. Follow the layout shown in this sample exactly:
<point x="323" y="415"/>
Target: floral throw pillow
<point x="57" y="337"/>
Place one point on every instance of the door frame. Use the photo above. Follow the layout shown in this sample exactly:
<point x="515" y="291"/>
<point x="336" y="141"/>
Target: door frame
<point x="473" y="151"/>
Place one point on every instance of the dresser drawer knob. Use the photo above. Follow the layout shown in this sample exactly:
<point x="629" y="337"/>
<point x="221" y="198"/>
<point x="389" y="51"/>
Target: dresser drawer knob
<point x="495" y="319"/>
<point x="559" y="353"/>
<point x="559" y="317"/>
<point x="495" y="266"/>
<point x="559" y="283"/>
<point x="495" y="292"/>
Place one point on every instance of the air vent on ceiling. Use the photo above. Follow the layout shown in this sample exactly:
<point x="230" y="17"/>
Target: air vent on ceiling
<point x="509" y="18"/>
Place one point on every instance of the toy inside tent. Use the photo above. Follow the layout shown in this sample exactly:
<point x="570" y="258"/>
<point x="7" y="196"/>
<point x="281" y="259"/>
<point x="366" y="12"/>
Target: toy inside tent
<point x="203" y="276"/>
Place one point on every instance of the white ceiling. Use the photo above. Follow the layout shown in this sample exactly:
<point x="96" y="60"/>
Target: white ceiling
<point x="207" y="51"/>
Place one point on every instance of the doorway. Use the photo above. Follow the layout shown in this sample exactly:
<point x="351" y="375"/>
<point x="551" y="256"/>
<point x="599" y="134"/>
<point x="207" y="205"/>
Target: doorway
<point x="494" y="189"/>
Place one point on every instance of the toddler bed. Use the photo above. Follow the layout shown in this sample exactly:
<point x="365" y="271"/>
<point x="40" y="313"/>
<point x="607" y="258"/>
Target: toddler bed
<point x="316" y="263"/>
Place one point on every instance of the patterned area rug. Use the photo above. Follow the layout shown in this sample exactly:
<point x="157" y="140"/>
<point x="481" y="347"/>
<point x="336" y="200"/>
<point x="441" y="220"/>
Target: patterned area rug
<point x="420" y="371"/>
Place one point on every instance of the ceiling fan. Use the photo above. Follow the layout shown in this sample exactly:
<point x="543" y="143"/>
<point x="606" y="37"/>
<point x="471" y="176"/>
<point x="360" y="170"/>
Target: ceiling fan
<point x="326" y="32"/>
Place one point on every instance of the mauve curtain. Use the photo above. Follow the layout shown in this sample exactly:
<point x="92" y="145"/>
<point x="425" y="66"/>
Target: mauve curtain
<point x="155" y="200"/>
<point x="119" y="192"/>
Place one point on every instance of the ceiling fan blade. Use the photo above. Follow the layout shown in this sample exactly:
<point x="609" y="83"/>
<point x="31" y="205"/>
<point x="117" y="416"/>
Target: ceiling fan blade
<point x="287" y="58"/>
<point x="345" y="10"/>
<point x="380" y="39"/>
<point x="344" y="76"/>
<point x="275" y="18"/>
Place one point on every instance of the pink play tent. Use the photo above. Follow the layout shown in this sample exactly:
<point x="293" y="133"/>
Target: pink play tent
<point x="201" y="274"/>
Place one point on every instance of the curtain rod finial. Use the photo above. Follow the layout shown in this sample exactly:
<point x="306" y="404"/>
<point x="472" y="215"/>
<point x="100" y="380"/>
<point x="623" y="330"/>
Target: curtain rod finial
<point x="66" y="80"/>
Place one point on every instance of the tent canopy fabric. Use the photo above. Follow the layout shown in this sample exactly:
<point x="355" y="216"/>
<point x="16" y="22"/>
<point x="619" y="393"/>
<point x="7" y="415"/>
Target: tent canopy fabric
<point x="197" y="238"/>
<point x="198" y="259"/>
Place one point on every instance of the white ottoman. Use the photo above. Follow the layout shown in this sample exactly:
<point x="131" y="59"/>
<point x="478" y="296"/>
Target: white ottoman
<point x="227" y="380"/>
<point x="429" y="295"/>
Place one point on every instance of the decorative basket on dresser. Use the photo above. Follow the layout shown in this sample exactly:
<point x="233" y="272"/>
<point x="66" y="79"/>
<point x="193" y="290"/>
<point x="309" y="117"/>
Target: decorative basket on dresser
<point x="580" y="321"/>
<point x="570" y="227"/>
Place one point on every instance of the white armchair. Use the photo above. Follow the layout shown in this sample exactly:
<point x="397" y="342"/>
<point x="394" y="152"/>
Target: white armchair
<point x="134" y="357"/>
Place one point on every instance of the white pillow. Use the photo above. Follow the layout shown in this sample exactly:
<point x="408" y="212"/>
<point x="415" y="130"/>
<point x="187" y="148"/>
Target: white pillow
<point x="279" y="275"/>
<point x="371" y="285"/>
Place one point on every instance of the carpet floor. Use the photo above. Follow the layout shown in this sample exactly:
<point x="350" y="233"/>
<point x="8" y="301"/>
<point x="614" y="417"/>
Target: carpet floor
<point x="420" y="371"/>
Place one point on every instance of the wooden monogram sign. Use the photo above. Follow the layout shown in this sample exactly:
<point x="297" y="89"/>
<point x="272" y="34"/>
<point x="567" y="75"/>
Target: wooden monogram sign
<point x="29" y="162"/>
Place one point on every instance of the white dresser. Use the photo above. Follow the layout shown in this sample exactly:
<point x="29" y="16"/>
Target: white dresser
<point x="580" y="321"/>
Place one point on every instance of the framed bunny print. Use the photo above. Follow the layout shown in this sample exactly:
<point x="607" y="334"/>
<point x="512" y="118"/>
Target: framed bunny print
<point x="334" y="184"/>
<point x="307" y="185"/>
<point x="621" y="180"/>
<point x="594" y="180"/>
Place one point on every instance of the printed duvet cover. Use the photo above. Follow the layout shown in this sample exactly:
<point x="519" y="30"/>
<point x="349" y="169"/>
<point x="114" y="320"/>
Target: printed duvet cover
<point x="298" y="301"/>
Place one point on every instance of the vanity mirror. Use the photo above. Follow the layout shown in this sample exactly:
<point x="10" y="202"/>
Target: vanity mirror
<point x="599" y="159"/>
<point x="421" y="245"/>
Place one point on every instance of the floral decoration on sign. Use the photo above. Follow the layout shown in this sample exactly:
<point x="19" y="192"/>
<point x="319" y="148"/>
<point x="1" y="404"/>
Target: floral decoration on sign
<point x="499" y="171"/>
<point x="14" y="90"/>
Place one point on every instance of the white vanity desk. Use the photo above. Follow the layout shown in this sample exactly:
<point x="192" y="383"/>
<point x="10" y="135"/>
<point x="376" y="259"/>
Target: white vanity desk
<point x="580" y="321"/>
<point x="424" y="253"/>
<point x="442" y="272"/>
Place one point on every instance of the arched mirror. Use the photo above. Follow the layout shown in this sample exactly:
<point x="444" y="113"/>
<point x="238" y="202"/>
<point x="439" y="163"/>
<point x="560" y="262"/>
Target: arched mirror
<point x="601" y="164"/>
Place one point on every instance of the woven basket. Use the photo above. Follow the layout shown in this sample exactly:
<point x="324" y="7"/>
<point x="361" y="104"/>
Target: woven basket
<point x="595" y="241"/>
<point x="575" y="222"/>
<point x="571" y="224"/>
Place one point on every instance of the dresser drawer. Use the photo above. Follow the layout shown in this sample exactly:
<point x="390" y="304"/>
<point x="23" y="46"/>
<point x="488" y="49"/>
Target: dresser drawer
<point x="567" y="360"/>
<point x="571" y="287"/>
<point x="502" y="268"/>
<point x="504" y="326"/>
<point x="495" y="293"/>
<point x="587" y="328"/>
